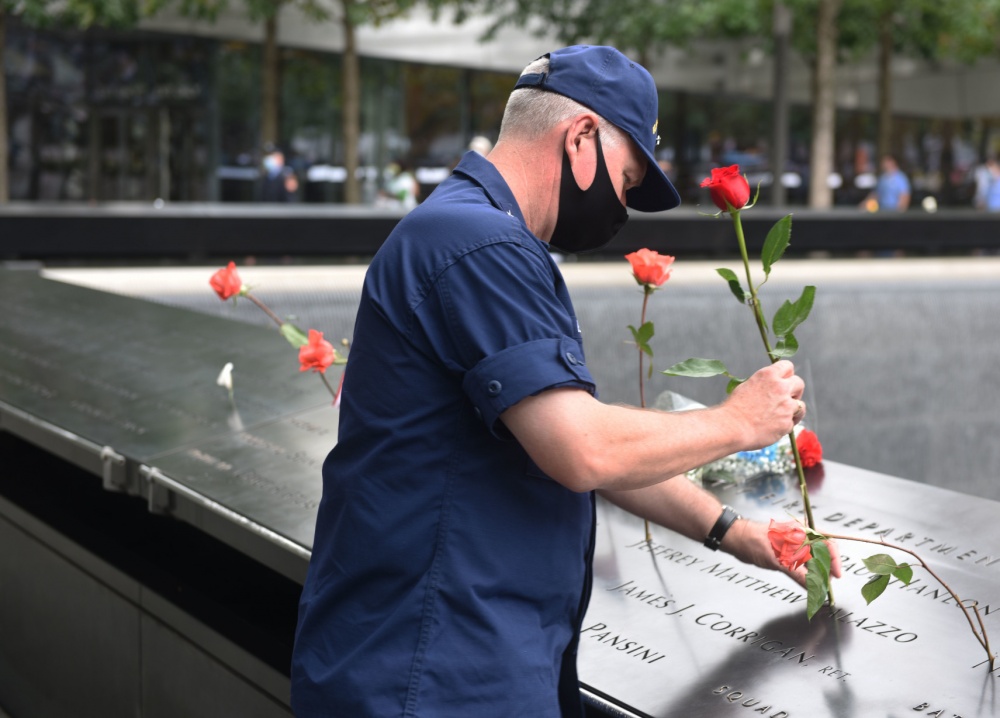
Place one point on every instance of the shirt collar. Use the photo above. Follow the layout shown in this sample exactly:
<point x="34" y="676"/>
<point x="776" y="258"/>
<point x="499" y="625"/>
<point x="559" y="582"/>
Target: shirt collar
<point x="485" y="174"/>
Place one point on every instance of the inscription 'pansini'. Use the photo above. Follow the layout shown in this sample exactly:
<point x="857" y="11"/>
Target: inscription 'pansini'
<point x="602" y="634"/>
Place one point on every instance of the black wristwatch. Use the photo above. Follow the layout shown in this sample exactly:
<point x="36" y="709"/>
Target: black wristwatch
<point x="726" y="520"/>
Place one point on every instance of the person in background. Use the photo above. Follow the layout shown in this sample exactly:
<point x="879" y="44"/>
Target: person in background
<point x="279" y="183"/>
<point x="991" y="201"/>
<point x="982" y="177"/>
<point x="892" y="192"/>
<point x="401" y="187"/>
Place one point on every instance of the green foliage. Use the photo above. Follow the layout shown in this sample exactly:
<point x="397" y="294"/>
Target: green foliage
<point x="788" y="317"/>
<point x="791" y="314"/>
<point x="641" y="336"/>
<point x="80" y="13"/>
<point x="776" y="243"/>
<point x="295" y="336"/>
<point x="630" y="25"/>
<point x="786" y="347"/>
<point x="931" y="29"/>
<point x="697" y="368"/>
<point x="734" y="284"/>
<point x="883" y="566"/>
<point x="373" y="12"/>
<point x="817" y="577"/>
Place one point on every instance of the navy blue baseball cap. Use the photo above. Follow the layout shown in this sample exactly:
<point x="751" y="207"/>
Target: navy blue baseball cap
<point x="623" y="93"/>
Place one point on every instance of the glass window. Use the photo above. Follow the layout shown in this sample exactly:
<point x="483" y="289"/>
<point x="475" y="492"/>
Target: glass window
<point x="433" y="114"/>
<point x="237" y="91"/>
<point x="310" y="120"/>
<point x="47" y="115"/>
<point x="488" y="93"/>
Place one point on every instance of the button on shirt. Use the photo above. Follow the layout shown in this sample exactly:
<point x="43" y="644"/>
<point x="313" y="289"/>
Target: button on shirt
<point x="449" y="574"/>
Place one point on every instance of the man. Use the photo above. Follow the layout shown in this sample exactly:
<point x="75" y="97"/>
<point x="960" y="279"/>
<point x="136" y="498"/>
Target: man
<point x="892" y="192"/>
<point x="451" y="565"/>
<point x="279" y="183"/>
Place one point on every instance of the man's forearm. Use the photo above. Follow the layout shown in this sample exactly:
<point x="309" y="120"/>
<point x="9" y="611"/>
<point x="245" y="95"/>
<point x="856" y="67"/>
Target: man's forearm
<point x="586" y="445"/>
<point x="676" y="504"/>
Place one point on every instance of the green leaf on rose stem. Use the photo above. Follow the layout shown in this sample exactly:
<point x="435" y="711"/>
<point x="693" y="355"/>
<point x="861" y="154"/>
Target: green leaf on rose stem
<point x="874" y="588"/>
<point x="697" y="368"/>
<point x="641" y="336"/>
<point x="645" y="332"/>
<point x="734" y="284"/>
<point x="295" y="336"/>
<point x="904" y="572"/>
<point x="817" y="579"/>
<point x="791" y="314"/>
<point x="821" y="553"/>
<point x="881" y="564"/>
<point x="776" y="242"/>
<point x="786" y="347"/>
<point x="733" y="383"/>
<point x="817" y="576"/>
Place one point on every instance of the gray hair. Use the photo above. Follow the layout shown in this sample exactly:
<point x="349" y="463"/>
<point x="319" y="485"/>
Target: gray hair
<point x="531" y="112"/>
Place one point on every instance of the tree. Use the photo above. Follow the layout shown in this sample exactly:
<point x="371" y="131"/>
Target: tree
<point x="352" y="14"/>
<point x="46" y="13"/>
<point x="636" y="26"/>
<point x="932" y="30"/>
<point x="824" y="109"/>
<point x="643" y="27"/>
<point x="348" y="14"/>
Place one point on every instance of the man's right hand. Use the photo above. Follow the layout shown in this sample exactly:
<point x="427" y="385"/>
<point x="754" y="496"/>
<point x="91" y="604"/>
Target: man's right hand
<point x="768" y="405"/>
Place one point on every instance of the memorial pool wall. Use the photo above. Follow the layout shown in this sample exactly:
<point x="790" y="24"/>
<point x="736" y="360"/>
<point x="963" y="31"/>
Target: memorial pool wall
<point x="899" y="355"/>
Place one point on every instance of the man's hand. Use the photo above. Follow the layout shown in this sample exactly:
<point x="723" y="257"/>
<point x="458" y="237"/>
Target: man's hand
<point x="768" y="405"/>
<point x="747" y="541"/>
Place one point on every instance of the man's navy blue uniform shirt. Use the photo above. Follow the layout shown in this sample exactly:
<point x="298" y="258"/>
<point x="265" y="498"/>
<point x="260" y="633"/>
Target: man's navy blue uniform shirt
<point x="449" y="574"/>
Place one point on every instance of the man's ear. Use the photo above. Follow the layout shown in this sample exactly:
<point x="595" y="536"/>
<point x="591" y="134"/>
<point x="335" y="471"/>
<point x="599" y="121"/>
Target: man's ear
<point x="581" y="147"/>
<point x="582" y="128"/>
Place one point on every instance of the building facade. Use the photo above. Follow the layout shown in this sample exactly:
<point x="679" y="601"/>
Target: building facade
<point x="171" y="111"/>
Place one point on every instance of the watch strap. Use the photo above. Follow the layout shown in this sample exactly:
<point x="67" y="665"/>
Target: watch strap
<point x="726" y="519"/>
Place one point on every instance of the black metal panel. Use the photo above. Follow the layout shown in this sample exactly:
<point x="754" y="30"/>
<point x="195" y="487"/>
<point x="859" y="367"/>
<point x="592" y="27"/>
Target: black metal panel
<point x="82" y="370"/>
<point x="675" y="629"/>
<point x="179" y="679"/>
<point x="199" y="232"/>
<point x="252" y="474"/>
<point x="59" y="658"/>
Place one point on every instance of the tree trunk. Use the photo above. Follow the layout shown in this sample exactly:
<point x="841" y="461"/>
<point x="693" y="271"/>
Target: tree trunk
<point x="269" y="82"/>
<point x="352" y="107"/>
<point x="824" y="109"/>
<point x="779" y="139"/>
<point x="884" y="144"/>
<point x="948" y="194"/>
<point x="4" y="147"/>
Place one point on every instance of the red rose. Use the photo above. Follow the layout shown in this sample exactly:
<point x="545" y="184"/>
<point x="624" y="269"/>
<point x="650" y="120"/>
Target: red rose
<point x="727" y="185"/>
<point x="649" y="267"/>
<point x="226" y="282"/>
<point x="788" y="542"/>
<point x="810" y="449"/>
<point x="318" y="354"/>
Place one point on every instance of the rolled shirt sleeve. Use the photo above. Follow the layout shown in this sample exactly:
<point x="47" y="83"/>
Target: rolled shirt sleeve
<point x="502" y="317"/>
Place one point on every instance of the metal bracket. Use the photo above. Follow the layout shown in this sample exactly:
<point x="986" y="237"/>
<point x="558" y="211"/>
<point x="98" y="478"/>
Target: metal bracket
<point x="163" y="493"/>
<point x="113" y="475"/>
<point x="159" y="498"/>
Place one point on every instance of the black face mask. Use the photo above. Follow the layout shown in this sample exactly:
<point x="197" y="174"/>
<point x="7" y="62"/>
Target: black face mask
<point x="587" y="219"/>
